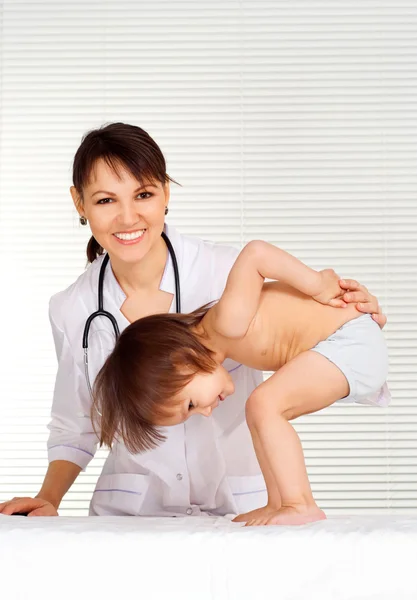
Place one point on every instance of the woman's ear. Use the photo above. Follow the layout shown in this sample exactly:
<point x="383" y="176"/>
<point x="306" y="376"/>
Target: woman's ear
<point x="167" y="193"/>
<point x="76" y="198"/>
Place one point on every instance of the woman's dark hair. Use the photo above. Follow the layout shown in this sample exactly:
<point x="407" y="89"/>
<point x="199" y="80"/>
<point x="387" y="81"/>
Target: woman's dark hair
<point x="138" y="383"/>
<point x="118" y="144"/>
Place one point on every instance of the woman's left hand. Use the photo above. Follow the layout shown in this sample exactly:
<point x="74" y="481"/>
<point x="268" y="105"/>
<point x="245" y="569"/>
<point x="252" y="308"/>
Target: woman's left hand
<point x="365" y="301"/>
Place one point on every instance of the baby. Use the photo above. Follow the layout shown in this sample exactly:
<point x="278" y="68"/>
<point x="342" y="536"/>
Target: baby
<point x="166" y="368"/>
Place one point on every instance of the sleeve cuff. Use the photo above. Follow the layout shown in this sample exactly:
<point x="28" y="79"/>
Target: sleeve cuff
<point x="78" y="456"/>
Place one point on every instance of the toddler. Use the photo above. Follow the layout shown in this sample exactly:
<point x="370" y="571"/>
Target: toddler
<point x="165" y="368"/>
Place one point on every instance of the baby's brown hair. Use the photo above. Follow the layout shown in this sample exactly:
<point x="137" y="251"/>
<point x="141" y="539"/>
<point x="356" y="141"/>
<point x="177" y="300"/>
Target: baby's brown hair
<point x="152" y="361"/>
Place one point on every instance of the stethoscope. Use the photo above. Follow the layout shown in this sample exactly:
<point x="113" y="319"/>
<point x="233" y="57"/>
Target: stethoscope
<point x="104" y="313"/>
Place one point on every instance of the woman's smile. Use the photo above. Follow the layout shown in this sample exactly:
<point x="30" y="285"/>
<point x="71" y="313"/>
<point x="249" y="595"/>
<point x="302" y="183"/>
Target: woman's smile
<point x="129" y="238"/>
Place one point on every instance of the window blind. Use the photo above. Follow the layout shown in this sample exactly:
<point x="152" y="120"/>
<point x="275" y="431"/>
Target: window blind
<point x="293" y="122"/>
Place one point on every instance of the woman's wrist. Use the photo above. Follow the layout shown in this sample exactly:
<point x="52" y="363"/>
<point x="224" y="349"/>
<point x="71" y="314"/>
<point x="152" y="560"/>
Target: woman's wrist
<point x="48" y="497"/>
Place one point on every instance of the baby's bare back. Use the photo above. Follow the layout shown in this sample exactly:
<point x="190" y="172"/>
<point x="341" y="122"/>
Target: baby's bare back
<point x="286" y="323"/>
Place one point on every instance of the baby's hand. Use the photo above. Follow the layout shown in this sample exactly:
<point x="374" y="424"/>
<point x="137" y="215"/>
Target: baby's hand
<point x="330" y="291"/>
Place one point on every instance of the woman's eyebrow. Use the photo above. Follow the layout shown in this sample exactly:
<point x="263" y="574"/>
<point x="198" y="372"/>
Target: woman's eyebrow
<point x="142" y="187"/>
<point x="103" y="192"/>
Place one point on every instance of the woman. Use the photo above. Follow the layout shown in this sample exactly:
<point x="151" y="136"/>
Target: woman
<point x="121" y="189"/>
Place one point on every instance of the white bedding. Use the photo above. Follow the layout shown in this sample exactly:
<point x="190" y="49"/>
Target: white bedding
<point x="206" y="558"/>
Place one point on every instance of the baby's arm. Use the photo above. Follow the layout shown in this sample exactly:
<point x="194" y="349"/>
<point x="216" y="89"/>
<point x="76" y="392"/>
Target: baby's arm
<point x="259" y="261"/>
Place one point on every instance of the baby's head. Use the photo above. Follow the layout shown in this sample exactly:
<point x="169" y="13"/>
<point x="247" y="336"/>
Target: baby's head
<point x="159" y="373"/>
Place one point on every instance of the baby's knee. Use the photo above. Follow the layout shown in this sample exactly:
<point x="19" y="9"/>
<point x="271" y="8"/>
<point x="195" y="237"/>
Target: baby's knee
<point x="252" y="409"/>
<point x="261" y="406"/>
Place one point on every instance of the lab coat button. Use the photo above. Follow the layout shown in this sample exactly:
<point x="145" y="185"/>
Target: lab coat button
<point x="179" y="476"/>
<point x="189" y="511"/>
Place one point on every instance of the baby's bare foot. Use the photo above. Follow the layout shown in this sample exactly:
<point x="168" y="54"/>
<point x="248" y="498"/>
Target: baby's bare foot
<point x="259" y="513"/>
<point x="290" y="515"/>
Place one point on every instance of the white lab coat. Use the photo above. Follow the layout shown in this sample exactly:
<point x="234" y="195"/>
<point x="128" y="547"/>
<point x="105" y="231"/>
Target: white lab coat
<point x="206" y="464"/>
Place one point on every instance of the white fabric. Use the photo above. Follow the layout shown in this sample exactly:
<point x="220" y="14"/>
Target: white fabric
<point x="207" y="558"/>
<point x="359" y="350"/>
<point x="206" y="464"/>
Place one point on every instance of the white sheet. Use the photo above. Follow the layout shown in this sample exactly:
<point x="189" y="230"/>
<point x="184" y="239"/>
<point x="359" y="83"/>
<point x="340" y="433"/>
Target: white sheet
<point x="203" y="558"/>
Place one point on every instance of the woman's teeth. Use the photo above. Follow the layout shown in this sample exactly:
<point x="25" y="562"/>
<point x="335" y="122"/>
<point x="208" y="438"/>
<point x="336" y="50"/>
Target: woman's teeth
<point x="130" y="236"/>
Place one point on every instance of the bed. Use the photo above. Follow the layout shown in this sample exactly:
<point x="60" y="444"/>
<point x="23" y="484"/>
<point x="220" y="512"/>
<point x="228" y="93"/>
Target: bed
<point x="207" y="558"/>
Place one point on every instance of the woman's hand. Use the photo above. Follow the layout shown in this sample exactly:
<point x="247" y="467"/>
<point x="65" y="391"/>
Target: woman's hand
<point x="341" y="292"/>
<point x="34" y="507"/>
<point x="365" y="301"/>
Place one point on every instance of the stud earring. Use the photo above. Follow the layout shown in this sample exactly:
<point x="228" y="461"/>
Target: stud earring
<point x="166" y="210"/>
<point x="83" y="221"/>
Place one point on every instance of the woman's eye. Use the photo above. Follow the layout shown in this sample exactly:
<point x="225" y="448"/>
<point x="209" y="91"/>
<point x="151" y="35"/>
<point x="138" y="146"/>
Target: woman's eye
<point x="190" y="406"/>
<point x="144" y="195"/>
<point x="105" y="200"/>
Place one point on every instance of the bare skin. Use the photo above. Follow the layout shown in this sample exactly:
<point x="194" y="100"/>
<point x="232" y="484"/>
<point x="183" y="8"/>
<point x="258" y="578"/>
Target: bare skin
<point x="286" y="323"/>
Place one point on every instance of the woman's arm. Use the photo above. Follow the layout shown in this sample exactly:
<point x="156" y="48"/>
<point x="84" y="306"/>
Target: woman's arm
<point x="72" y="437"/>
<point x="59" y="478"/>
<point x="72" y="441"/>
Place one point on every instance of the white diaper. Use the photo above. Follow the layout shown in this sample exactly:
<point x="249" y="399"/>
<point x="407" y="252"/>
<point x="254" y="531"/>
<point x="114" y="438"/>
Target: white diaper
<point x="359" y="350"/>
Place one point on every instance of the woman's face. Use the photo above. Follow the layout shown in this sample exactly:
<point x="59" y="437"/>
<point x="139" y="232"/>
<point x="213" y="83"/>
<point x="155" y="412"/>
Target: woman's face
<point x="125" y="217"/>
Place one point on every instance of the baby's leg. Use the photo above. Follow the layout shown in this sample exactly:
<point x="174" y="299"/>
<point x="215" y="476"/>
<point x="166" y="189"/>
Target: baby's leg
<point x="274" y="498"/>
<point x="304" y="385"/>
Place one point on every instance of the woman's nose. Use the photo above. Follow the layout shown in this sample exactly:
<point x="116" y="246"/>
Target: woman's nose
<point x="128" y="214"/>
<point x="206" y="411"/>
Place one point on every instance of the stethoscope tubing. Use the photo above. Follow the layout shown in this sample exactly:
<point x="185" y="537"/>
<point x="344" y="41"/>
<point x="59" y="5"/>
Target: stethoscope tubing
<point x="100" y="312"/>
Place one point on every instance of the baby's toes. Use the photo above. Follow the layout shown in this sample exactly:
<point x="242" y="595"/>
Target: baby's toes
<point x="240" y="518"/>
<point x="256" y="522"/>
<point x="251" y="523"/>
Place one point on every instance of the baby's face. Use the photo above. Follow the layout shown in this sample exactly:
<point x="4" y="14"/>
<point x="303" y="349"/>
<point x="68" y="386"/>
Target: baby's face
<point x="204" y="393"/>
